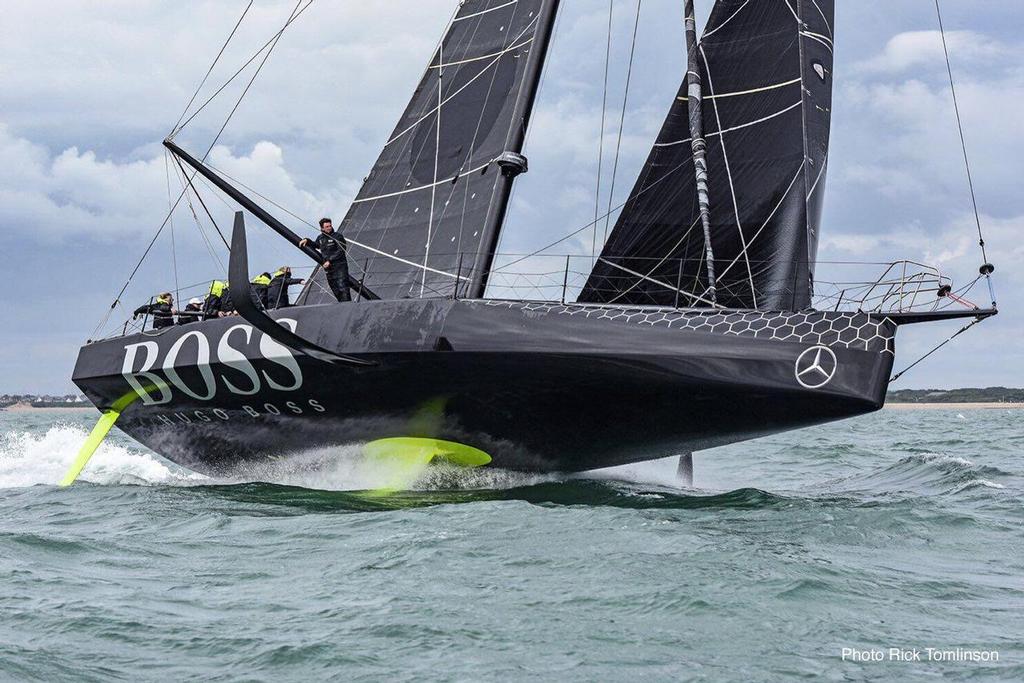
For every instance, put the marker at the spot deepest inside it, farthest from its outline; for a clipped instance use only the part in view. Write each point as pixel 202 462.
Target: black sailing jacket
pixel 277 291
pixel 161 312
pixel 331 247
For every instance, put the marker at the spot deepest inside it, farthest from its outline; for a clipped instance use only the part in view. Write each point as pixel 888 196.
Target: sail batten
pixel 767 68
pixel 434 201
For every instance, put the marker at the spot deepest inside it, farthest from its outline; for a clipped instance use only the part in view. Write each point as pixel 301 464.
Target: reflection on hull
pixel 537 386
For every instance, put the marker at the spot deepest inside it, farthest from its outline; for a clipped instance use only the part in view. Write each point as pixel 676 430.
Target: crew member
pixel 260 284
pixel 218 301
pixel 277 292
pixel 162 311
pixel 192 312
pixel 333 250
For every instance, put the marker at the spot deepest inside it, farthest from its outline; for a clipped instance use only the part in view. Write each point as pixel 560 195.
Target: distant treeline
pixel 43 400
pixel 987 395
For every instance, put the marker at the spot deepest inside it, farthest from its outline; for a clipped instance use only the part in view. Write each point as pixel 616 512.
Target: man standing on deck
pixel 333 249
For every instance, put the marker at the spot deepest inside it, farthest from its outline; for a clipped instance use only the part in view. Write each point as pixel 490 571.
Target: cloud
pixel 923 49
pixel 896 152
pixel 104 199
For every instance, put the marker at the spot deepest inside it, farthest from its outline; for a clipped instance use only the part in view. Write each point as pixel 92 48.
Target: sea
pixel 888 547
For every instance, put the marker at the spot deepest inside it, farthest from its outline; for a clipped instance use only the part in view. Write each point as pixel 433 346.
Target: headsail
pixel 440 186
pixel 767 74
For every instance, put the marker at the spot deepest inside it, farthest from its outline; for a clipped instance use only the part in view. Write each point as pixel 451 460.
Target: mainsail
pixel 767 76
pixel 436 197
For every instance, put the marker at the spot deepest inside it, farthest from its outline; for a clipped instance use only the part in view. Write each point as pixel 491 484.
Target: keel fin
pixel 684 470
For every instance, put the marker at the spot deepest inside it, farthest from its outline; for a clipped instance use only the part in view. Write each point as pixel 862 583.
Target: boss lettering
pixel 240 378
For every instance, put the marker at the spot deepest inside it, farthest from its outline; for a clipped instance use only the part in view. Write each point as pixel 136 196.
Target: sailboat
pixel 695 327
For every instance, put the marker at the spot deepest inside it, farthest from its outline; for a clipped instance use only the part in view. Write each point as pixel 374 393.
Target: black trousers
pixel 337 280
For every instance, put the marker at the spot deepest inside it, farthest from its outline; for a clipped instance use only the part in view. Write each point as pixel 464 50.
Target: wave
pixel 556 493
pixel 337 478
pixel 28 459
pixel 341 478
pixel 925 474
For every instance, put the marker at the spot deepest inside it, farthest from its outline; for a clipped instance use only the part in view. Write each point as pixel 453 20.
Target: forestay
pixel 767 75
pixel 440 186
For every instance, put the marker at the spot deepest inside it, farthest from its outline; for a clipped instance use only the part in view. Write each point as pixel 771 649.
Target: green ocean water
pixel 901 529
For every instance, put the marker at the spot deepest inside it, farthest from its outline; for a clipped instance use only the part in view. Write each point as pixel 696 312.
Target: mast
pixel 697 144
pixel 512 161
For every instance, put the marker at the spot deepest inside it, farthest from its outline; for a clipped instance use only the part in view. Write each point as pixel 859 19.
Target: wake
pixel 41 459
pixel 28 459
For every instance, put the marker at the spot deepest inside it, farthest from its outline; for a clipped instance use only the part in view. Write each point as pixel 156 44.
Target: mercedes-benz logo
pixel 816 367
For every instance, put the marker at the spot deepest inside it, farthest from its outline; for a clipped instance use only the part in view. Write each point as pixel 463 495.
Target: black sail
pixel 767 75
pixel 436 197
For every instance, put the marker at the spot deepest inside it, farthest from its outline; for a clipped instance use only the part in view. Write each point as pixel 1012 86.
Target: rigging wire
pixel 209 215
pixel 960 129
pixel 986 269
pixel 600 146
pixel 272 43
pixel 949 339
pixel 174 249
pixel 252 80
pixel 622 118
pixel 182 178
pixel 216 59
pixel 577 231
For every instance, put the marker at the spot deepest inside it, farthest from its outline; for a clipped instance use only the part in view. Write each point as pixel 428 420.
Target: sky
pixel 88 90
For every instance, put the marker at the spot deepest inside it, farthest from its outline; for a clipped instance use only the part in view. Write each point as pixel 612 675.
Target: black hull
pixel 537 386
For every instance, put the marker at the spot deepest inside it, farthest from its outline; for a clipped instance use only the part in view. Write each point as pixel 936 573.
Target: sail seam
pixel 819 38
pixel 457 92
pixel 730 18
pixel 824 18
pixel 745 92
pixel 728 173
pixel 795 15
pixel 405 261
pixel 483 57
pixel 485 11
pixel 733 128
pixel 821 172
pixel 421 187
pixel 765 224
pixel 658 264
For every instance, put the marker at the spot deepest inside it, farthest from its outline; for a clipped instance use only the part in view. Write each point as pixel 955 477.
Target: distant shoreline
pixel 895 405
pixel 27 407
pixel 993 405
